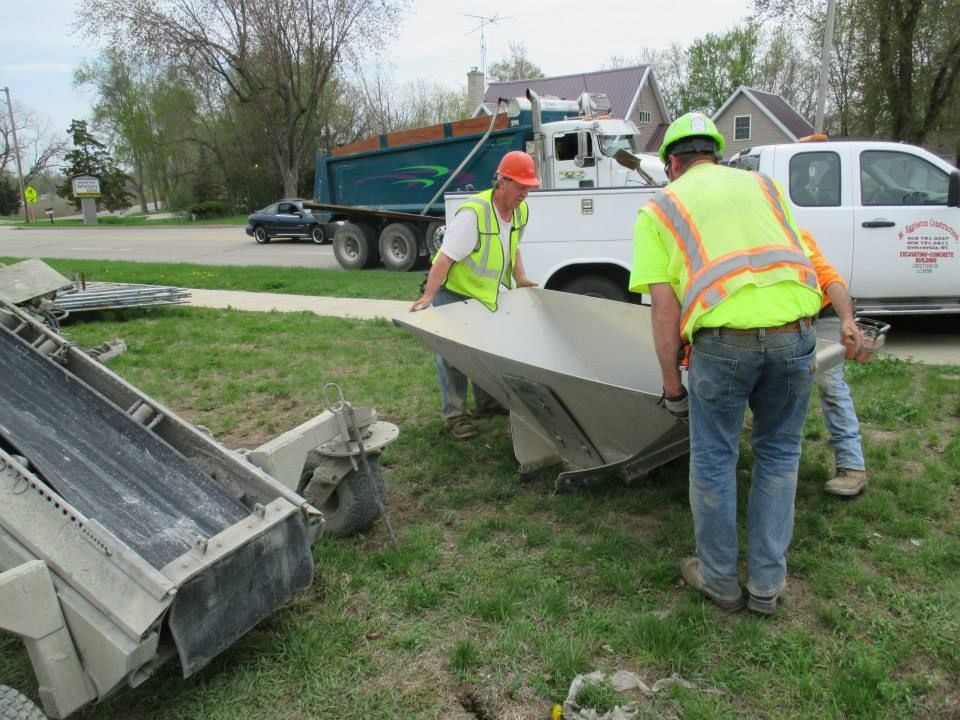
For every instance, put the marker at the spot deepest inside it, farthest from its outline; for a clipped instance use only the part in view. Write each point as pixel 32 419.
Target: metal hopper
pixel 578 374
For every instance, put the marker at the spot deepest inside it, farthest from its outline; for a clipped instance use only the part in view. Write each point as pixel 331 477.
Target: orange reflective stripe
pixel 675 218
pixel 779 211
pixel 704 291
pixel 717 292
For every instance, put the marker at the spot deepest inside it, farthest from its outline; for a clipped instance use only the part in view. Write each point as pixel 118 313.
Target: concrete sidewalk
pixel 359 308
pixel 926 348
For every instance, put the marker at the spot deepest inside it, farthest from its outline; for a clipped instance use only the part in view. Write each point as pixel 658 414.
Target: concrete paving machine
pixel 579 375
pixel 129 536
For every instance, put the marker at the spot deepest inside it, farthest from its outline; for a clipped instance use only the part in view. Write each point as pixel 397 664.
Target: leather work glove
pixel 678 405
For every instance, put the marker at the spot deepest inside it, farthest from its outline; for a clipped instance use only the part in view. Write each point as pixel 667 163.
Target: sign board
pixel 30 193
pixel 85 186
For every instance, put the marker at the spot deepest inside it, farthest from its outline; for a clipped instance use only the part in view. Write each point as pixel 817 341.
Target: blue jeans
pixel 773 374
pixel 453 383
pixel 839 415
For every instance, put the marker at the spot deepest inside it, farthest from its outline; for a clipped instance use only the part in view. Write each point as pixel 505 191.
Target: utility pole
pixel 824 65
pixel 16 152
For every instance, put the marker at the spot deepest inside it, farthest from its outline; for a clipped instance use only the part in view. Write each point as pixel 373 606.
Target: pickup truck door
pixel 905 236
pixel 819 185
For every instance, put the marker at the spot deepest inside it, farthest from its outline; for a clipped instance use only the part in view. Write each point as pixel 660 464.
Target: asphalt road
pixel 934 339
pixel 208 245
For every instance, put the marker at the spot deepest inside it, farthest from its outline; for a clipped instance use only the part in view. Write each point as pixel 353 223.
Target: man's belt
pixel 794 326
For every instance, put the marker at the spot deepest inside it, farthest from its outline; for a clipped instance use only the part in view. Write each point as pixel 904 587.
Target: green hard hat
pixel 692 125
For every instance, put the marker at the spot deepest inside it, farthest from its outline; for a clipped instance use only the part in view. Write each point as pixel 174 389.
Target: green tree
pixel 516 66
pixel 275 55
pixel 90 157
pixel 718 65
pixel 122 108
pixel 9 195
pixel 895 66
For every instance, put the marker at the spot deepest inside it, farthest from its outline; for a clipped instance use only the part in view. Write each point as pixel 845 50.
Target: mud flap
pixel 212 610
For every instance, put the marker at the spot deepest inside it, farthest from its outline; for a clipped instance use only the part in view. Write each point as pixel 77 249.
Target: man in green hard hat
pixel 720 255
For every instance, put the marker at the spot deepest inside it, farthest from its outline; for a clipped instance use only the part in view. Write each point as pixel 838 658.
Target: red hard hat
pixel 518 166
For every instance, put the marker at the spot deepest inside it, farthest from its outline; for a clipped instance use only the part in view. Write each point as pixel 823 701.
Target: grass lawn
pixel 502 592
pixel 374 284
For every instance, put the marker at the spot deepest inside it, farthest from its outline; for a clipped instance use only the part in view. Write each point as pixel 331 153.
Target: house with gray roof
pixel 753 117
pixel 631 91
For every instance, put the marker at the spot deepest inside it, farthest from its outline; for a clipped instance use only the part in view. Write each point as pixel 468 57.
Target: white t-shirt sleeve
pixel 461 236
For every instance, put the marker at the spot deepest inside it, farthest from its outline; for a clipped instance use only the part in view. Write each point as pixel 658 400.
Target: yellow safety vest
pixel 729 247
pixel 480 273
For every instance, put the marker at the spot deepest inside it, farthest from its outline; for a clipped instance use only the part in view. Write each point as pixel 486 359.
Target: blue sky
pixel 437 41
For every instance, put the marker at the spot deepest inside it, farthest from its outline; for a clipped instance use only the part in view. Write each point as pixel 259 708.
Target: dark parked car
pixel 286 218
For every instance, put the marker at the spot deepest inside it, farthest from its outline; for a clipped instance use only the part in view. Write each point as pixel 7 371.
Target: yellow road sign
pixel 30 193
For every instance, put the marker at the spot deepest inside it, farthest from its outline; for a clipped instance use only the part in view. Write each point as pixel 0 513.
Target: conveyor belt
pixel 105 464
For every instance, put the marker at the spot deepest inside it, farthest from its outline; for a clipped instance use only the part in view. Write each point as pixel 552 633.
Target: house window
pixel 741 127
pixel 645 117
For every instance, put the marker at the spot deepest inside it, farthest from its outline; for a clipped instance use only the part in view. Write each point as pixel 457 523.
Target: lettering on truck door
pixel 904 228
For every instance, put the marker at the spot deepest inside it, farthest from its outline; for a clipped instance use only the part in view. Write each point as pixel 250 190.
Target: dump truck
pixel 129 537
pixel 382 198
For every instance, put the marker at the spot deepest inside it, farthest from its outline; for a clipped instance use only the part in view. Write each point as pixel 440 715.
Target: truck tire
pixel 260 235
pixel 398 246
pixel 352 507
pixel 596 286
pixel 16 706
pixel 434 238
pixel 354 246
pixel 318 234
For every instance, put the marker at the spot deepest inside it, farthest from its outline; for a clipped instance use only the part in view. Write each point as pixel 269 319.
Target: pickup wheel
pixel 16 706
pixel 352 507
pixel 260 235
pixel 355 247
pixel 596 286
pixel 318 236
pixel 398 246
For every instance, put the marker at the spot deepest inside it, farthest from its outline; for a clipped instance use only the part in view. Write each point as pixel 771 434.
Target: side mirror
pixel 584 158
pixel 953 189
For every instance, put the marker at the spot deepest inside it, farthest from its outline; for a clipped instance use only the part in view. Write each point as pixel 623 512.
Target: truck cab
pixel 577 145
pixel 885 214
pixel 580 154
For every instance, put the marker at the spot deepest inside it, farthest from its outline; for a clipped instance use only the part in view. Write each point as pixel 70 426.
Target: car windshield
pixel 609 144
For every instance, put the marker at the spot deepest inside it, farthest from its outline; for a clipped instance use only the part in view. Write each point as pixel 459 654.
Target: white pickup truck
pixel 886 215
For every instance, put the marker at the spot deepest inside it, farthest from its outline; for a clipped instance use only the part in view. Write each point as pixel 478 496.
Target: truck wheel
pixel 260 235
pixel 318 235
pixel 352 507
pixel 352 246
pixel 434 236
pixel 398 246
pixel 596 286
pixel 16 706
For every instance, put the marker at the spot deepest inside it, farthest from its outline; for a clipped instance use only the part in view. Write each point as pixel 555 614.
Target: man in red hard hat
pixel 479 257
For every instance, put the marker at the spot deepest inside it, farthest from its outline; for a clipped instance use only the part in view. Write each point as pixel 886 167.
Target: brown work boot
pixel 847 482
pixel 462 428
pixel 690 571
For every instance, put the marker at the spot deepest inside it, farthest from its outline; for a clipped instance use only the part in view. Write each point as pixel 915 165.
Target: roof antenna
pixel 484 21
